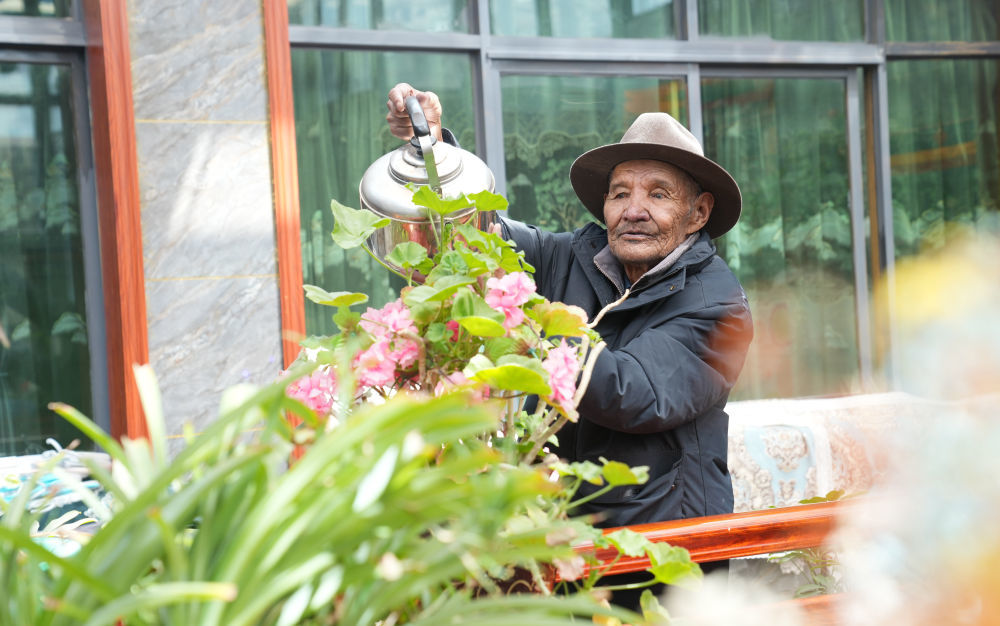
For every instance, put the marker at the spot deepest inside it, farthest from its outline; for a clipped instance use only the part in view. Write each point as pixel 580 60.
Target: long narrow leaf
pixel 156 596
pixel 90 429
pixel 76 570
pixel 152 406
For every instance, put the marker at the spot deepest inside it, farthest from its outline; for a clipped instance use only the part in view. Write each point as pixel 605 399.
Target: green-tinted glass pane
pixel 44 354
pixel 933 20
pixel 785 143
pixel 340 129
pixel 430 16
pixel 639 19
pixel 37 8
pixel 943 142
pixel 789 20
pixel 548 121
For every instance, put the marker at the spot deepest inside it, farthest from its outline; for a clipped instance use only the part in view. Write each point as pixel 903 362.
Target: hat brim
pixel 591 170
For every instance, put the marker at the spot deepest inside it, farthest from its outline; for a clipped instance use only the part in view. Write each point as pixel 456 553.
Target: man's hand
pixel 399 120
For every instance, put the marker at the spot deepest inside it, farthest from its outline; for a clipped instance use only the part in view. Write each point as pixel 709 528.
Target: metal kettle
pixel 449 170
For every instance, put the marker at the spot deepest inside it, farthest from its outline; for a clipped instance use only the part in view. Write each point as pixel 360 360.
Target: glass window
pixel 785 142
pixel 431 16
pixel 638 19
pixel 792 20
pixel 44 355
pixel 943 145
pixel 548 121
pixel 340 130
pixel 933 20
pixel 37 8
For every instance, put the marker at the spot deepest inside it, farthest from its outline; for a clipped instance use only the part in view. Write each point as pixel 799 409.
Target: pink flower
pixel 453 327
pixel 374 367
pixel 507 294
pixel 318 391
pixel 563 367
pixel 378 365
pixel 392 318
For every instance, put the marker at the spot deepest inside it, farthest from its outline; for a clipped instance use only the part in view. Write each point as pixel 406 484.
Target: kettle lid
pixel 384 189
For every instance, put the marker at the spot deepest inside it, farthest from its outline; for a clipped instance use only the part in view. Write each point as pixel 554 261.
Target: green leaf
pixel 476 364
pixel 629 542
pixel 448 285
pixel 560 319
pixel 451 263
pixel 335 298
pixel 346 319
pixel 489 201
pixel 617 474
pixel 672 565
pixel 584 470
pixel 477 317
pixel 468 304
pixel 437 333
pixel 511 261
pixel 482 326
pixel 374 483
pixel 652 611
pixel 352 226
pixel 426 197
pixel 516 373
pixel 499 346
pixel 418 295
pixel 423 313
pixel 407 255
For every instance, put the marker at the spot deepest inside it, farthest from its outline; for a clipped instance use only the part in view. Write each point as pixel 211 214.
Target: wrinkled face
pixel 650 208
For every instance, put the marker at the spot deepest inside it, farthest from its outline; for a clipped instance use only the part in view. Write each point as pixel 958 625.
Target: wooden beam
pixel 119 216
pixel 722 537
pixel 284 167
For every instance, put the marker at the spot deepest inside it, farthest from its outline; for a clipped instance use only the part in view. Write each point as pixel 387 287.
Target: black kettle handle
pixel 417 118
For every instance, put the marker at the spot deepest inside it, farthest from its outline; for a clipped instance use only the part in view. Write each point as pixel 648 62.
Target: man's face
pixel 650 208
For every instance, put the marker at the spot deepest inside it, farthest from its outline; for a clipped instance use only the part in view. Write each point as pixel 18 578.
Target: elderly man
pixel 678 339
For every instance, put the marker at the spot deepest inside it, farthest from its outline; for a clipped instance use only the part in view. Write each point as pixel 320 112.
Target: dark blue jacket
pixel 658 392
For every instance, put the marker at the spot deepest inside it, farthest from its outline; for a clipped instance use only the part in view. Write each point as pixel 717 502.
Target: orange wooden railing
pixel 737 535
pixel 720 537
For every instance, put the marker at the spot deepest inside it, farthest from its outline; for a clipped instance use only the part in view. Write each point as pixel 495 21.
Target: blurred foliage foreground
pixel 388 518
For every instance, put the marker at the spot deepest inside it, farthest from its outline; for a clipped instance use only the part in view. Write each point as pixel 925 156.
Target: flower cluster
pixel 318 390
pixel 394 346
pixel 508 293
pixel 475 325
pixel 563 367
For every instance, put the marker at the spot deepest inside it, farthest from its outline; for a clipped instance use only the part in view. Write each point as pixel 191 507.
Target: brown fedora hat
pixel 659 137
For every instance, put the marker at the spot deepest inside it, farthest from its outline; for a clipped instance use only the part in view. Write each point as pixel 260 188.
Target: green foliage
pixel 373 522
pixel 352 227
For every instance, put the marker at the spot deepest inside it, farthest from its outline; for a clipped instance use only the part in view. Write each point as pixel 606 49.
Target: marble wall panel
pixel 206 199
pixel 207 335
pixel 197 60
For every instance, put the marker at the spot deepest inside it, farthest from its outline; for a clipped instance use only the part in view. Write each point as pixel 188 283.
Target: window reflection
pixel 431 16
pixel 37 8
pixel 649 19
pixel 785 142
pixel 44 353
pixel 792 20
pixel 340 130
pixel 548 121
pixel 933 20
pixel 945 166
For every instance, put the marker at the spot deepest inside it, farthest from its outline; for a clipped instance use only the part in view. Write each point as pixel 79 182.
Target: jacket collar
pixel 606 275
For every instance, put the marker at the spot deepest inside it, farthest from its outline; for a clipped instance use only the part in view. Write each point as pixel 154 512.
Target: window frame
pixel 93 41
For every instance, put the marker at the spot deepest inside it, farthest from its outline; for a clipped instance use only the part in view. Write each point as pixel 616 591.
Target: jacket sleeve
pixel 670 373
pixel 538 246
